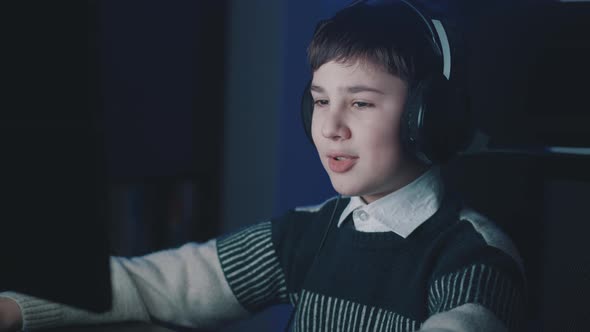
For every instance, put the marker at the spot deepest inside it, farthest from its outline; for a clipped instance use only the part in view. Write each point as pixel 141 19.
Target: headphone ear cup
pixel 411 123
pixel 436 122
pixel 307 110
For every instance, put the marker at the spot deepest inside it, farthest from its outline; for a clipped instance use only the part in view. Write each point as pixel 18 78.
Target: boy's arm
pixel 185 286
pixel 482 297
pixel 466 318
pixel 478 285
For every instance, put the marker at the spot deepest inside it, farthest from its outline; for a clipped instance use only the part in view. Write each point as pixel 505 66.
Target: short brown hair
pixel 391 36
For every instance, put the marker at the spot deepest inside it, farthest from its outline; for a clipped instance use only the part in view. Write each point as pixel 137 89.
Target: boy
pixel 398 253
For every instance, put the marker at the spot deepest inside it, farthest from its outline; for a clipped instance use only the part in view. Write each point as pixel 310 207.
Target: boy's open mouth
pixel 340 163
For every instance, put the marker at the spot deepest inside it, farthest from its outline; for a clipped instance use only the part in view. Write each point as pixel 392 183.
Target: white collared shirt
pixel 401 211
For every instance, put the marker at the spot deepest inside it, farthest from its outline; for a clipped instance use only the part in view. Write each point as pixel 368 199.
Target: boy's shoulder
pixel 490 233
pixel 475 240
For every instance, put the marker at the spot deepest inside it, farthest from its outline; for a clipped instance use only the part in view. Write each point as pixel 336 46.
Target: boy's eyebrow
pixel 350 89
pixel 362 88
pixel 316 88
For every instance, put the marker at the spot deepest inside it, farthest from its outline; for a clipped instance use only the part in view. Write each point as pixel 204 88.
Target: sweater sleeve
pixel 482 268
pixel 185 286
pixel 263 262
pixel 250 264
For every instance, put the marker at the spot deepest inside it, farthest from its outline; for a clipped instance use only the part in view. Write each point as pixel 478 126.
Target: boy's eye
pixel 362 104
pixel 320 102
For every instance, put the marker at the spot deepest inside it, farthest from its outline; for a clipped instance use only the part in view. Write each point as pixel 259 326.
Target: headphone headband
pixel 435 28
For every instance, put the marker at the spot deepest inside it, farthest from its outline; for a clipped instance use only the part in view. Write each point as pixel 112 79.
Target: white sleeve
pixel 185 286
pixel 465 318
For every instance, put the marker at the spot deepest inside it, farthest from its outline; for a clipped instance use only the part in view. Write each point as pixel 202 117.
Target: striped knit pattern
pixel 476 284
pixel 317 312
pixel 37 313
pixel 251 267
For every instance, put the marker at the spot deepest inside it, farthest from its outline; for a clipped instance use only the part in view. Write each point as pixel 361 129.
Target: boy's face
pixel 355 128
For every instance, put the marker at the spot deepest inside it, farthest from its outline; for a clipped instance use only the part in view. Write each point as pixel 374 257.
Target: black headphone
pixel 436 122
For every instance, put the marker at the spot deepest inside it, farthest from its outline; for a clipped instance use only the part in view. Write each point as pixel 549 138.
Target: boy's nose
pixel 334 126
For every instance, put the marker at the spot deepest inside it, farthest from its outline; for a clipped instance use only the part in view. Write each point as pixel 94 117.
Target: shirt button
pixel 362 215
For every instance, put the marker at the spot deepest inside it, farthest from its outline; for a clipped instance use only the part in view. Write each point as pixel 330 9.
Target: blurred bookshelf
pixel 148 216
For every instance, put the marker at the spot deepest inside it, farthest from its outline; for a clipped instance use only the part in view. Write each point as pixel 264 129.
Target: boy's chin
pixel 367 193
pixel 347 190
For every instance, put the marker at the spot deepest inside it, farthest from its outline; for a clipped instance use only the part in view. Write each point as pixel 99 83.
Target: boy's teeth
pixel 340 158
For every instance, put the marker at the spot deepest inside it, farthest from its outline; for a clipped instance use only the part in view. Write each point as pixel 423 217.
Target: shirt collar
pixel 401 211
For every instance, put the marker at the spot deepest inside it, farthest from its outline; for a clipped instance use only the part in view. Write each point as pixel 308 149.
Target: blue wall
pixel 301 177
pixel 268 70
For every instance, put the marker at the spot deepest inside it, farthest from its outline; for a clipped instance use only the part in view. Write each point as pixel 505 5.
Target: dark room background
pixel 197 110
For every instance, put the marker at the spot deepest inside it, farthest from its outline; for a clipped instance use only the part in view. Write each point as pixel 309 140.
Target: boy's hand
pixel 11 319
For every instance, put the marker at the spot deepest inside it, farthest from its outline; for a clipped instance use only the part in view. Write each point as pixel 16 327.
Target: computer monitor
pixel 53 179
pixel 54 234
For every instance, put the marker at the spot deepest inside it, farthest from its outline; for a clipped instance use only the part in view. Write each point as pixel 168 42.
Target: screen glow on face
pixel 355 128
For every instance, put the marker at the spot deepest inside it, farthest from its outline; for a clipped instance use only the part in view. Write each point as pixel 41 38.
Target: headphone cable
pixel 292 315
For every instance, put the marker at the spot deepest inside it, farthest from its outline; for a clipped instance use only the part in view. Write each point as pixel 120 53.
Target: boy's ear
pixel 307 110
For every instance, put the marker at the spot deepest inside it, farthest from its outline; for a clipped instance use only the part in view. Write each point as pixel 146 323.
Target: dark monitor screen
pixel 53 179
pixel 54 230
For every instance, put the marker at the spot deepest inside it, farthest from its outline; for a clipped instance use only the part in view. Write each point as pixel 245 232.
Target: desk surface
pixel 123 327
